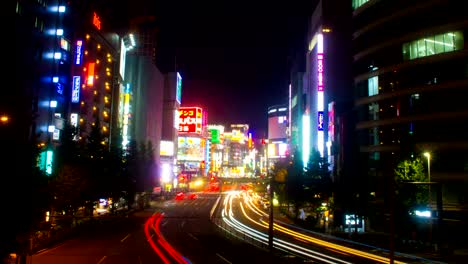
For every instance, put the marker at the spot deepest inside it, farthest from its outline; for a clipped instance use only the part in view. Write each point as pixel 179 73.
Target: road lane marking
pixel 123 239
pixel 221 257
pixel 101 260
pixel 194 237
pixel 47 250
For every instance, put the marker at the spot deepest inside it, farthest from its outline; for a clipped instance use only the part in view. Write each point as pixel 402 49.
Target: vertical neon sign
pixel 75 98
pixel 126 114
pixel 320 95
pixel 79 52
pixel 179 88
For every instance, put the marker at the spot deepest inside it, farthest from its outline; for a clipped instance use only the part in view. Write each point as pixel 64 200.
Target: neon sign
pixel 190 120
pixel 90 81
pixel 179 88
pixel 320 94
pixel 59 88
pixel 96 21
pixel 76 89
pixel 79 52
pixel 320 121
pixel 320 72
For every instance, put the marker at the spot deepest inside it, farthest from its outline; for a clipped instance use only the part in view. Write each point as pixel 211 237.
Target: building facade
pixel 410 93
pixel 278 133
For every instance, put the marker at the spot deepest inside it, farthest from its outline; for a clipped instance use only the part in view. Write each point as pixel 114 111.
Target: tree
pixel 317 180
pixel 408 194
pixel 70 187
pixel 294 181
pixel 407 172
pixel 410 171
pixel 317 167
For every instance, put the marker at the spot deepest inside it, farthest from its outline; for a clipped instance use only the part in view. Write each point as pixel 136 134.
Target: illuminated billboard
pixel 75 98
pixel 166 148
pixel 237 136
pixel 191 149
pixel 278 122
pixel 179 88
pixel 190 120
pixel 215 137
pixel 277 150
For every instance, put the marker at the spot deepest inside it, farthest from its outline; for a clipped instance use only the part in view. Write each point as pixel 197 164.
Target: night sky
pixel 234 56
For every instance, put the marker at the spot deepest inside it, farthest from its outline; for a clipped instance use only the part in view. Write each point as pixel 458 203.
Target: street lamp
pixel 428 156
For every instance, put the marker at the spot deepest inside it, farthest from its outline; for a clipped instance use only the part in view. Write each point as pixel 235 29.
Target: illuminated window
pixel 281 119
pixel 374 111
pixel 64 44
pixel 432 45
pixel 373 85
pixel 358 3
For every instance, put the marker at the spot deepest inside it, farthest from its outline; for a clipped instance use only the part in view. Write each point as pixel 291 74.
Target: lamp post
pixel 428 156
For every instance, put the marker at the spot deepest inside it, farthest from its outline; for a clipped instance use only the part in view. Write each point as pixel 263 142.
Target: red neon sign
pixel 96 21
pixel 190 120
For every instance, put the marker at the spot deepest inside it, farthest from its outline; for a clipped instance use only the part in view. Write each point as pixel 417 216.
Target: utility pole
pixel 270 193
pixel 270 224
pixel 392 220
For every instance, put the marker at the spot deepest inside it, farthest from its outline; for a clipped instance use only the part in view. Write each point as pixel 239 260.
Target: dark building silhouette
pixel 410 86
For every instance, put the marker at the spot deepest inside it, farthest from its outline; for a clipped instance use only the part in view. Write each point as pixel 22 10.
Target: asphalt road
pixel 118 241
pixel 184 224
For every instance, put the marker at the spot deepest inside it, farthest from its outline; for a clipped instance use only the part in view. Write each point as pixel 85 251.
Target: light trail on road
pixel 247 200
pixel 229 219
pixel 164 250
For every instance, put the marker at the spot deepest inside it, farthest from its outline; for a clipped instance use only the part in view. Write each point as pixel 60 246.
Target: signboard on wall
pixel 190 120
pixel 190 149
pixel 215 137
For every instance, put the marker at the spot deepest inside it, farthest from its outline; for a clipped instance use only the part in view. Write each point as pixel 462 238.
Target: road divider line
pixel 101 260
pixel 223 258
pixel 123 239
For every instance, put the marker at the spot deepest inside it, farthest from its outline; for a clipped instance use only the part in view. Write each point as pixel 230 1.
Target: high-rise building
pixel 94 78
pixel 170 126
pixel 326 98
pixel 410 61
pixel 37 105
pixel 145 85
pixel 320 100
pixel 34 104
pixel 64 72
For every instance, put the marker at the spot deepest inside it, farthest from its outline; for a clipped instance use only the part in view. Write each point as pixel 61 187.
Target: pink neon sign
pixel 320 71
